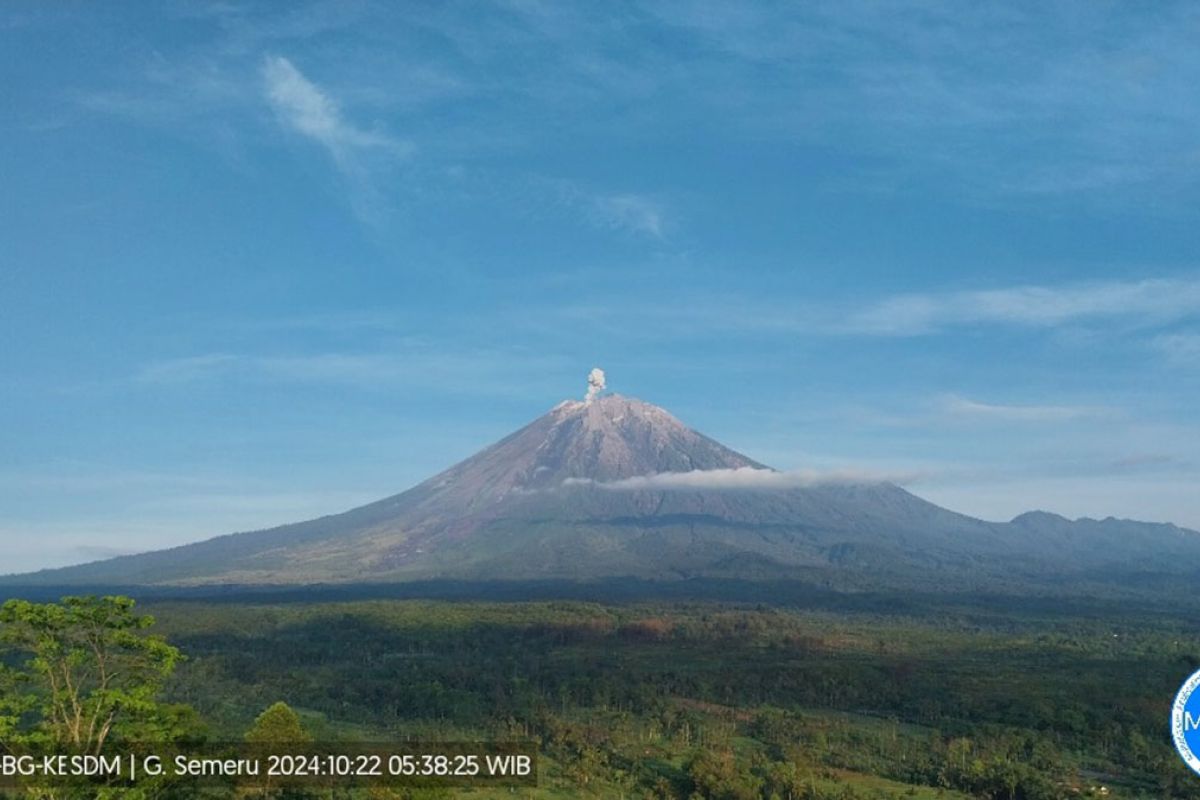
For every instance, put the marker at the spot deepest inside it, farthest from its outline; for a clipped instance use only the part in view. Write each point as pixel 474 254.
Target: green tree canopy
pixel 279 724
pixel 90 673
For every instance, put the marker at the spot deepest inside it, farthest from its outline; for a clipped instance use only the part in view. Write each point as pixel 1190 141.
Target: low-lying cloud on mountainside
pixel 745 478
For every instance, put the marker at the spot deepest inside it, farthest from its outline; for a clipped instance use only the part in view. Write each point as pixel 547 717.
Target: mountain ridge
pixel 604 488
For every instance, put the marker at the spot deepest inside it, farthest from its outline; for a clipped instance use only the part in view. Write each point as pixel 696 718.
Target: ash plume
pixel 595 384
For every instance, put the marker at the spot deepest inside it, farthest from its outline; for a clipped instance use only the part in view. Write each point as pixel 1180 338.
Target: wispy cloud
pixel 359 153
pixel 1149 461
pixel 623 211
pixel 181 370
pixel 925 87
pixel 474 371
pixel 963 407
pixel 1154 300
pixel 746 478
pixel 1179 348
pixel 629 212
pixel 80 477
pixel 311 112
pixel 319 368
pixel 1077 108
pixel 1145 305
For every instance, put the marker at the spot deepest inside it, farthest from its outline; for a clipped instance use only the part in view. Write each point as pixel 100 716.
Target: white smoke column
pixel 595 384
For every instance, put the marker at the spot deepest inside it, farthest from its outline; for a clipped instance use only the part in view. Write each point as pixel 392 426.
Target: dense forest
pixel 711 700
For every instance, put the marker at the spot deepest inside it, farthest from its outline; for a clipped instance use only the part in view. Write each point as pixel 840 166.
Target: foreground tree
pixel 278 729
pixel 92 672
pixel 279 724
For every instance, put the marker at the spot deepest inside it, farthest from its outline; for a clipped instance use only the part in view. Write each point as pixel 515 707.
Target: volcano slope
pixel 617 487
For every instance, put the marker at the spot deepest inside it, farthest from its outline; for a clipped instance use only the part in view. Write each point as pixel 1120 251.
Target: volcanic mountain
pixel 617 487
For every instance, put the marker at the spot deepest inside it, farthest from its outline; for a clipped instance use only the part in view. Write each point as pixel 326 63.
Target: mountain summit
pixel 612 486
pixel 608 438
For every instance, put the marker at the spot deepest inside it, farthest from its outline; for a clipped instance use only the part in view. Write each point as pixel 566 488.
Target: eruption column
pixel 595 384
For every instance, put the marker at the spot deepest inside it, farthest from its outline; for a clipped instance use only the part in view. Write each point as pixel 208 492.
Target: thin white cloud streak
pixel 305 108
pixel 82 478
pixel 253 511
pixel 1179 348
pixel 1154 300
pixel 316 368
pixel 503 373
pixel 1149 461
pixel 964 407
pixel 181 370
pixel 629 212
pixel 745 478
pixel 1147 304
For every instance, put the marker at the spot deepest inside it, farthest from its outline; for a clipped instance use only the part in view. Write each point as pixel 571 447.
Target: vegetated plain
pixel 701 699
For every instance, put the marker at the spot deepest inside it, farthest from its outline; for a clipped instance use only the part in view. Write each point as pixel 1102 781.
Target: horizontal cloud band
pixel 743 478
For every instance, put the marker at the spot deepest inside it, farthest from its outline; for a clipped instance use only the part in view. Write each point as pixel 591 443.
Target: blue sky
pixel 260 262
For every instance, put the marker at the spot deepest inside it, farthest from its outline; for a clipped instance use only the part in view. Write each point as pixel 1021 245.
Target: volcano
pixel 616 487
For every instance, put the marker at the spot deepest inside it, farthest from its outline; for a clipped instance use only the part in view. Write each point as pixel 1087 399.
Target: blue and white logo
pixel 1185 722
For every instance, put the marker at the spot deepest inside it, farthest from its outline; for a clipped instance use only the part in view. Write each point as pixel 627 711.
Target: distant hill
pixel 616 487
